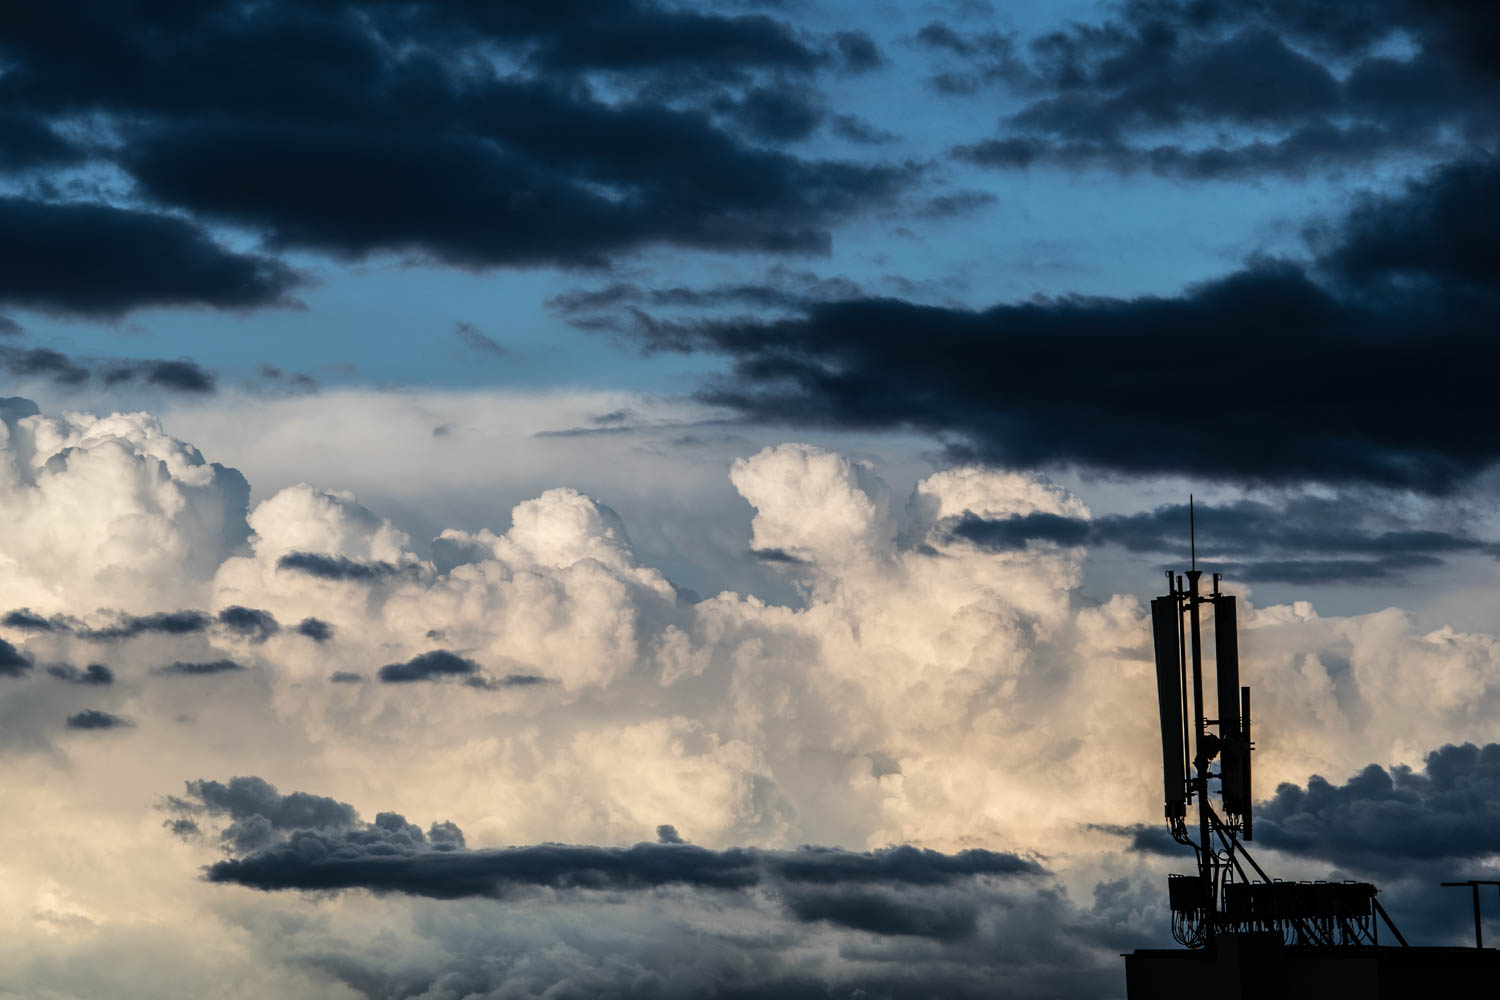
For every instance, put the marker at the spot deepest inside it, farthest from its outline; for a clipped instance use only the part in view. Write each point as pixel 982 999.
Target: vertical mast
pixel 1204 752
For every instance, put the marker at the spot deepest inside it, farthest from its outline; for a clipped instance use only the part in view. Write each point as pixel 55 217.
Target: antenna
pixel 1192 531
pixel 1230 893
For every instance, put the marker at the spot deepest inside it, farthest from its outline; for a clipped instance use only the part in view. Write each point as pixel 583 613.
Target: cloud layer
pixel 539 684
pixel 486 139
pixel 1352 367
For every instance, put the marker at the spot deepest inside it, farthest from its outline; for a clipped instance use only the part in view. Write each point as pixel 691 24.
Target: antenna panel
pixel 1227 666
pixel 1234 764
pixel 1165 625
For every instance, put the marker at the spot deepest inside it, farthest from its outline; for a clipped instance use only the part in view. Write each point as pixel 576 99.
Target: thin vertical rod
pixel 1478 926
pixel 1182 653
pixel 1192 532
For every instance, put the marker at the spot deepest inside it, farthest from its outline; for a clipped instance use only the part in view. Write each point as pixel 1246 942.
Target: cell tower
pixel 1230 892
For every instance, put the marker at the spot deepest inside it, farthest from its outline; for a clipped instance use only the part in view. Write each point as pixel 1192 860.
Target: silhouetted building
pixel 1249 966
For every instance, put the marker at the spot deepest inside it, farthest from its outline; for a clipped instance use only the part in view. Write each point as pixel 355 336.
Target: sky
pixel 641 499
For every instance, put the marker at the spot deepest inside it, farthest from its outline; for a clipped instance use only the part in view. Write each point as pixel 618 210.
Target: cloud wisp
pixel 1304 539
pixel 94 719
pixel 1166 86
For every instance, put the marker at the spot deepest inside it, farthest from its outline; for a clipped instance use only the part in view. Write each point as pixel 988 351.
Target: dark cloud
pixel 857 51
pixel 1381 821
pixel 910 923
pixel 162 623
pixel 249 623
pixel 1316 143
pixel 1354 368
pixel 182 828
pixel 855 129
pixel 946 206
pixel 244 797
pixel 1429 237
pixel 258 812
pixel 91 718
pixel 775 555
pixel 28 142
pixel 9 327
pixel 326 849
pixel 183 668
pixel 445 835
pixel 1323 91
pixel 1249 78
pixel 666 833
pixel 326 567
pixel 13 663
pixel 96 674
pixel 434 665
pixel 1324 571
pixel 315 629
pixel 181 375
pixel 501 204
pixel 617 306
pixel 28 620
pixel 614 126
pixel 43 362
pixel 134 259
pixel 1036 945
pixel 1403 829
pixel 635 36
pixel 474 337
pixel 782 114
pixel 938 35
pixel 1303 539
pixel 346 677
pixel 1011 533
pixel 1406 830
pixel 984 58
pixel 612 417
pixel 13 408
pixel 898 891
pixel 1147 839
pixel 887 913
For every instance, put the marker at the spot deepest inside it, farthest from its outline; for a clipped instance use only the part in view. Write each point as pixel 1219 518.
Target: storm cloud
pixel 337 108
pixel 1381 820
pixel 139 259
pixel 1352 368
pixel 314 843
pixel 1390 824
